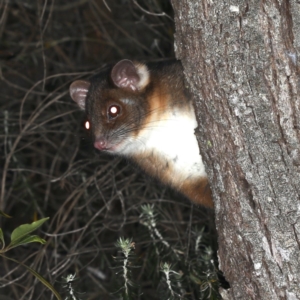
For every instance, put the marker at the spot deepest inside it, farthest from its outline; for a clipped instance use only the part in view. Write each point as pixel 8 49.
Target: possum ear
pixel 128 75
pixel 78 92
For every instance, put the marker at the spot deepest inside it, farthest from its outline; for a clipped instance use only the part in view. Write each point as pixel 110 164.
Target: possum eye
pixel 87 125
pixel 113 111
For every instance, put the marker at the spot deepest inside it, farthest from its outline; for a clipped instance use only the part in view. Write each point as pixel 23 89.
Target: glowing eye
pixel 113 111
pixel 87 125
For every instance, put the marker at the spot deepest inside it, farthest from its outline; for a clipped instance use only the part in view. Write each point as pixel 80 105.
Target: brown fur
pixel 196 189
pixel 145 108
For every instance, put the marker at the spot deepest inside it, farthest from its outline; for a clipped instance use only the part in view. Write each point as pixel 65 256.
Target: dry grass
pixel 49 167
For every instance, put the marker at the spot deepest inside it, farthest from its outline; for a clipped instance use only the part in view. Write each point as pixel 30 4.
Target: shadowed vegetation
pixel 50 169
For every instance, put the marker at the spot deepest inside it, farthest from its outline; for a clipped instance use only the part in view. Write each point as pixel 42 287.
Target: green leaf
pixel 23 231
pixel 2 238
pixel 26 240
pixel 38 276
pixel 4 214
pixel 43 281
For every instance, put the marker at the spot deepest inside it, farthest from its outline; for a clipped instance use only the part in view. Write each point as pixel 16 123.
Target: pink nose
pixel 101 144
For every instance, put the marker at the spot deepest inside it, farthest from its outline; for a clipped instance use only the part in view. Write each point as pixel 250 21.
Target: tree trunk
pixel 240 62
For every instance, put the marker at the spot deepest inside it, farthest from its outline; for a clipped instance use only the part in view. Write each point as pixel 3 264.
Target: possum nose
pixel 101 144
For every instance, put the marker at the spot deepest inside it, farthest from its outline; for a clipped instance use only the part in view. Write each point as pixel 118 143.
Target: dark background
pixel 50 169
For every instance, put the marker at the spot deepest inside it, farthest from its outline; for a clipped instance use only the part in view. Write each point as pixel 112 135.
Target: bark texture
pixel 240 61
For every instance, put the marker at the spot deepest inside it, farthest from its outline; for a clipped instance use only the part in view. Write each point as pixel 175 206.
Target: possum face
pixel 116 105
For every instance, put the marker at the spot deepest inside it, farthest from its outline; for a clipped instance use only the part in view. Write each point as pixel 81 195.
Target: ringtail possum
pixel 143 112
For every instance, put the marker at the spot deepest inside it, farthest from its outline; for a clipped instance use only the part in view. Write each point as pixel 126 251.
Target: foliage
pixel 49 167
pixel 127 287
pixel 21 236
pixel 189 273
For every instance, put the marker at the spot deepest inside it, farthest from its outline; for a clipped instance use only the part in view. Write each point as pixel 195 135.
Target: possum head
pixel 115 101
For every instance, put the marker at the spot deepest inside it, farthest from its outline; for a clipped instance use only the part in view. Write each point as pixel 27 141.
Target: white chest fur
pixel 172 136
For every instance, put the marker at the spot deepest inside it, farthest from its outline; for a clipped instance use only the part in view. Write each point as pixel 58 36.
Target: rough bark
pixel 240 61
